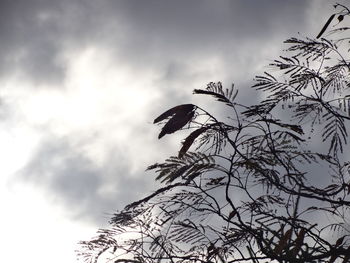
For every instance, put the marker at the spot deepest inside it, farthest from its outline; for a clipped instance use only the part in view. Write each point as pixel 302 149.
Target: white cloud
pixel 35 230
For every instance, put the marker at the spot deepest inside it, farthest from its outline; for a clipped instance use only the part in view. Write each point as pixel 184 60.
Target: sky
pixel 80 84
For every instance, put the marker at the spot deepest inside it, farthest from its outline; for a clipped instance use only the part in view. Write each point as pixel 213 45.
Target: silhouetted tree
pixel 269 183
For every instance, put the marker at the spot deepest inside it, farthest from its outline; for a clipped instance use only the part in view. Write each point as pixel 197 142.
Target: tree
pixel 255 188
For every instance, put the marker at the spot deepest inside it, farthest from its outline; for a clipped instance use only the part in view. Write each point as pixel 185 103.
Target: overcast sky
pixel 80 84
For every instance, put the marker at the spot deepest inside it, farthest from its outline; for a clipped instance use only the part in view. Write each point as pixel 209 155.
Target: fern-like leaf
pixel 186 168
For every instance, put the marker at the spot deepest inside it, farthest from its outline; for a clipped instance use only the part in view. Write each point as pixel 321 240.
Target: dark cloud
pixel 86 189
pixel 28 43
pixel 185 30
pixel 176 38
pixel 35 34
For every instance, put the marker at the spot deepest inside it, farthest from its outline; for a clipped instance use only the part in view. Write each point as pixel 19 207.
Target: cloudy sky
pixel 80 84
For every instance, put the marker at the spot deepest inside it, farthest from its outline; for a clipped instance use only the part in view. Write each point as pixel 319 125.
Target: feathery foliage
pixel 269 184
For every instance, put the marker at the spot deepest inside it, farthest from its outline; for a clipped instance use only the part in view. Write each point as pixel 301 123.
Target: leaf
pixel 340 18
pixel 192 176
pixel 212 250
pixel 220 97
pixel 181 115
pixel 186 232
pixel 176 123
pixel 298 242
pixel 331 187
pixel 216 181
pixel 295 137
pixel 189 140
pixel 325 26
pixel 283 242
pixel 293 127
pixel 187 168
pixel 215 90
pixel 174 110
pixel 339 241
pixel 231 215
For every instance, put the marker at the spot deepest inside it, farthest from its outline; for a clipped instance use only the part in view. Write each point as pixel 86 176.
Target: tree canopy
pixel 267 183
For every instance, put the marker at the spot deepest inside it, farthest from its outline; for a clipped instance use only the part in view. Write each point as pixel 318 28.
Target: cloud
pixel 29 43
pixel 88 190
pixel 167 48
pixel 36 34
